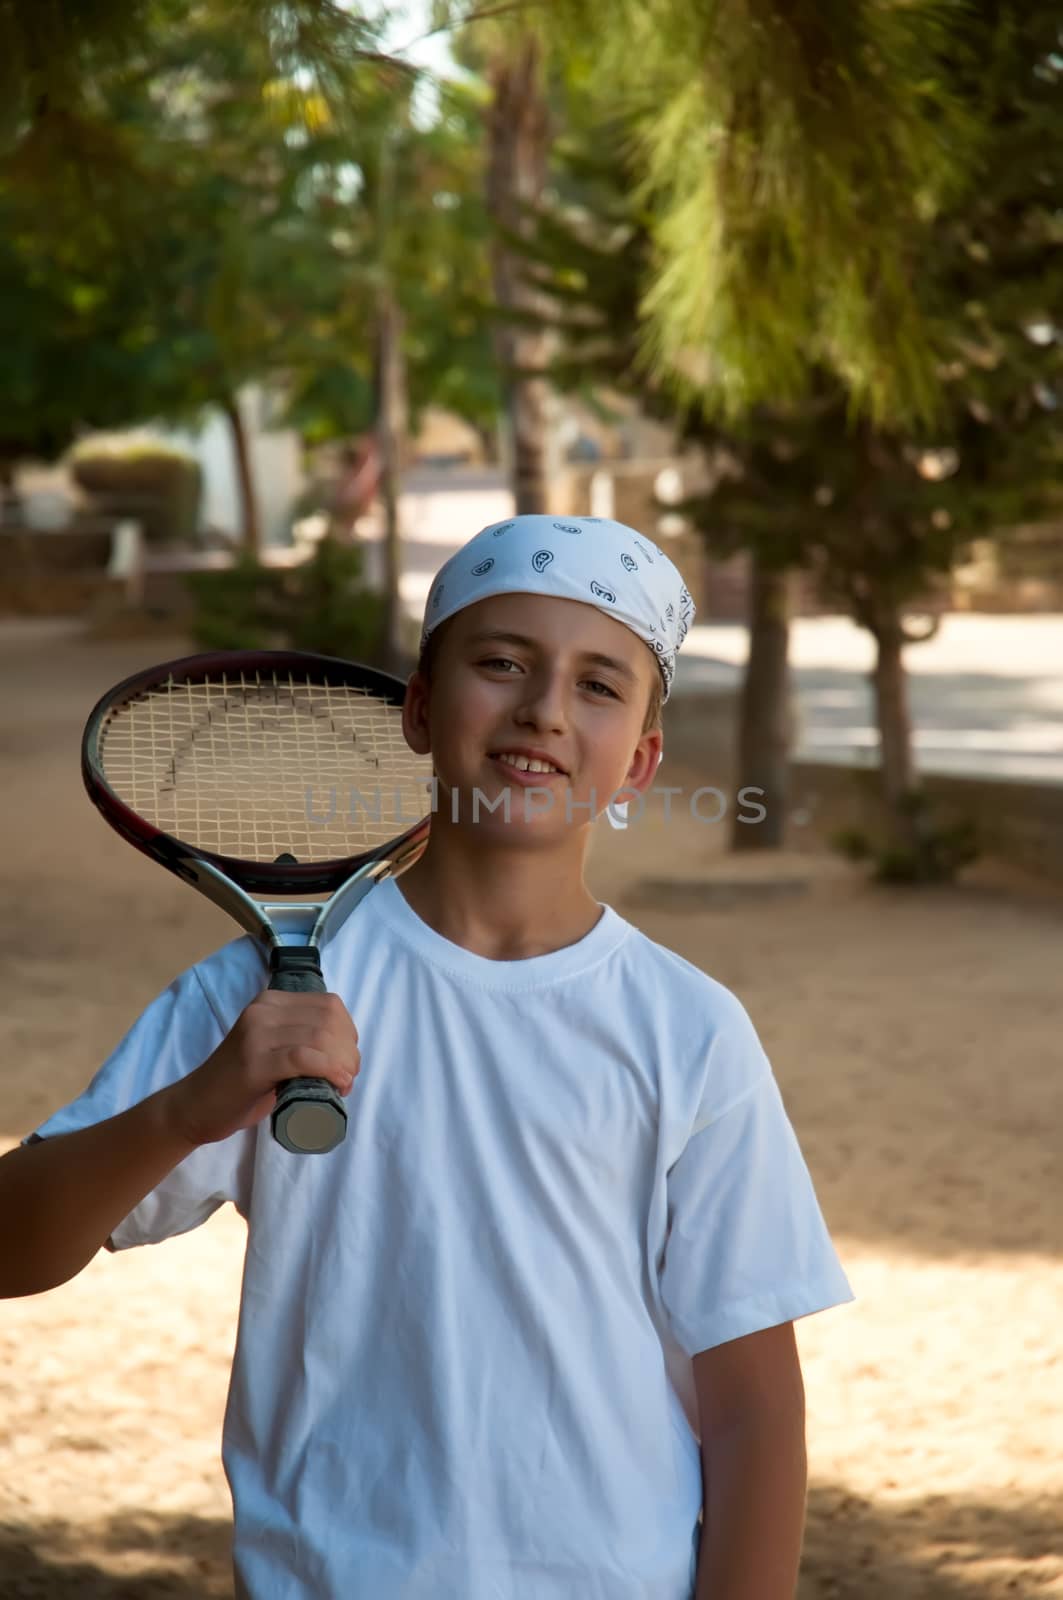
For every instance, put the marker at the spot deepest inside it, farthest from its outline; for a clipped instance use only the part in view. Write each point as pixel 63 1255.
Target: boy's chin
pixel 501 809
pixel 534 825
pixel 529 838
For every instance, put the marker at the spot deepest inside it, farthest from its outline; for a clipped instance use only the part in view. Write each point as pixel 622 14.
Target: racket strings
pixel 260 765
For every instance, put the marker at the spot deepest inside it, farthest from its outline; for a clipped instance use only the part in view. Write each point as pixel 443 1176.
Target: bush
pixel 322 605
pixel 942 847
pixel 852 843
pixel 159 486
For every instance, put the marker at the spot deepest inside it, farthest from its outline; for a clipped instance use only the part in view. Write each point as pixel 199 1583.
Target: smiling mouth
pixel 537 770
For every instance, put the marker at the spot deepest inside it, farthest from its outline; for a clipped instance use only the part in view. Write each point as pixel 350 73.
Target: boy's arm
pixel 62 1197
pixel 751 1407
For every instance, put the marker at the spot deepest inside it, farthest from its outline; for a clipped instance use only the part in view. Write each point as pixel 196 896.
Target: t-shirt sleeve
pixel 747 1246
pixel 171 1038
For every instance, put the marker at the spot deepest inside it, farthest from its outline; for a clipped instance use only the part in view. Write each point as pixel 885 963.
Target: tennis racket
pixel 263 773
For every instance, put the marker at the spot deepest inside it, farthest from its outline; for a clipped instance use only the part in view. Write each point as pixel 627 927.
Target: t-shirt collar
pixel 530 972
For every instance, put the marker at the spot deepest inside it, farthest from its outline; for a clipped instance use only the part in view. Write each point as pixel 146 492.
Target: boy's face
pixel 535 686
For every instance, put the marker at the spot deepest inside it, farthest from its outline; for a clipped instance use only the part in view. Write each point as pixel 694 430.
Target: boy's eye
pixel 595 683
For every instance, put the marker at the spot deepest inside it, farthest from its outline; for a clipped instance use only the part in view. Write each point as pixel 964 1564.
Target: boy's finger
pixel 303 1061
pixel 310 1004
pixel 339 1047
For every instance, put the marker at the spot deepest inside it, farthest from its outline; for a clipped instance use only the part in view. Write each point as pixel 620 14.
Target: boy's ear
pixel 644 762
pixel 415 714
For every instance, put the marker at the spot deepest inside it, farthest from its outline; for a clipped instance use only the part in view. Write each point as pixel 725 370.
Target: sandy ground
pixel 916 1040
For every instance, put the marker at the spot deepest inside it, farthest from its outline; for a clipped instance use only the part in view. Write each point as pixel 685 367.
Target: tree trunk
pixel 10 502
pixel 889 682
pixel 518 131
pixel 764 727
pixel 251 528
pixel 527 430
pixel 487 433
pixel 390 430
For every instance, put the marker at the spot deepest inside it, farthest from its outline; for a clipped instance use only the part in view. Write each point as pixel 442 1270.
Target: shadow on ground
pixel 130 1557
pixel 939 1548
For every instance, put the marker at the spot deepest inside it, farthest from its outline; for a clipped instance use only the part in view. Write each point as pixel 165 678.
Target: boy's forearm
pixel 61 1198
pixel 756 1482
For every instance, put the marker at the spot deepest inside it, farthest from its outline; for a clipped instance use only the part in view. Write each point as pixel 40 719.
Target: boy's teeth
pixel 523 764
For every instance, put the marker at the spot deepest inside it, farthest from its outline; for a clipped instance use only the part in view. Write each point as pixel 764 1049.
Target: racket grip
pixel 309 1117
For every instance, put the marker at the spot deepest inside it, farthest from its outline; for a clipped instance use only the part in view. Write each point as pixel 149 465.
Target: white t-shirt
pixel 462 1368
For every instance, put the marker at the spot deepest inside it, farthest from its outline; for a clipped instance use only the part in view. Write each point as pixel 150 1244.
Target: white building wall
pixel 276 464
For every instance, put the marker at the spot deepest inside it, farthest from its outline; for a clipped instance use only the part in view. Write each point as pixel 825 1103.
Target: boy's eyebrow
pixel 502 636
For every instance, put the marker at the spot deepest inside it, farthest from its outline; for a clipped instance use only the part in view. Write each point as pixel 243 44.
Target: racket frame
pixel 231 883
pixel 305 877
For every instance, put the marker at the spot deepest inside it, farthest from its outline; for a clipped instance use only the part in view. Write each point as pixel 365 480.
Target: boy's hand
pixel 279 1035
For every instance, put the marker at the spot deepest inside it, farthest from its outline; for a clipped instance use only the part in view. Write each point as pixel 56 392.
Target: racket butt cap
pixel 309 1118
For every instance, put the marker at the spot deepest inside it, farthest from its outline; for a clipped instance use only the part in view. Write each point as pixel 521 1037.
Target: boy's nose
pixel 544 706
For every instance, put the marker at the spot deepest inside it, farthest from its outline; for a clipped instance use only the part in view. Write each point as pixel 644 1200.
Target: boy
pixel 570 1226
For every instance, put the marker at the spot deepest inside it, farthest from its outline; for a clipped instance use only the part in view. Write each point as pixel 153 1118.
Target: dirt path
pixel 916 1041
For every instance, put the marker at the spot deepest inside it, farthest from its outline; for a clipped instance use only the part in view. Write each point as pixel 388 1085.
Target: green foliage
pixel 45 48
pixel 878 513
pixel 149 271
pixel 332 398
pixel 803 154
pixel 587 253
pixel 159 486
pixel 218 197
pixel 787 157
pixel 322 605
pixel 68 333
pixel 55 53
pixel 418 225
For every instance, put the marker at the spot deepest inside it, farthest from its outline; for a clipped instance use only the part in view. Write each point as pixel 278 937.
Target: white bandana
pixel 595 560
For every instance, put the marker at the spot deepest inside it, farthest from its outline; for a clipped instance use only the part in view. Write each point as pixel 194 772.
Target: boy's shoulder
pixel 659 972
pixel 698 1023
pixel 229 978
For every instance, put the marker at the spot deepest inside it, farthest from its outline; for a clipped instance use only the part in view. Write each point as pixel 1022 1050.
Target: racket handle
pixel 309 1117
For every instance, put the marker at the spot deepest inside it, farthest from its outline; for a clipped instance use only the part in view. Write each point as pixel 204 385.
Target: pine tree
pixel 881 514
pixel 878 513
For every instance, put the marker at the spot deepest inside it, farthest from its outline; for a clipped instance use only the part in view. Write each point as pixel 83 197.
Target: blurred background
pixel 295 298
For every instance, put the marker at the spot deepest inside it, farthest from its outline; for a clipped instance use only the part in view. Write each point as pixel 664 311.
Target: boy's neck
pixel 505 905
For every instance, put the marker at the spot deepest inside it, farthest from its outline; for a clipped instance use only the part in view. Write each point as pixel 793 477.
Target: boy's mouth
pixel 526 765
